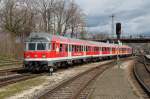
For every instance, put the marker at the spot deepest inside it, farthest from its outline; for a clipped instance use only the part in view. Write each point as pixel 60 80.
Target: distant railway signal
pixel 118 30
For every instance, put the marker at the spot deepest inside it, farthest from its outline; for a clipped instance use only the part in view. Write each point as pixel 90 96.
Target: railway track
pixel 6 72
pixel 16 78
pixel 72 88
pixel 142 74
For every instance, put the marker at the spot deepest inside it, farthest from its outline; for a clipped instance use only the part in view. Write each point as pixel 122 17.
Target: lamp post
pixel 118 59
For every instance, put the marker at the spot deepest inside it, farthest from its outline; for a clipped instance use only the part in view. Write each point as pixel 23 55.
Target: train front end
pixel 37 47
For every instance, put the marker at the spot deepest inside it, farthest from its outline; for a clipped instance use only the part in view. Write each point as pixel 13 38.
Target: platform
pixel 113 84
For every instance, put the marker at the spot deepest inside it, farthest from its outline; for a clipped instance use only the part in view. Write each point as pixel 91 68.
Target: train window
pixel 53 46
pixel 41 46
pixel 89 48
pixel 49 46
pixel 31 46
pixel 82 48
pixel 73 48
pixel 103 49
pixel 113 49
pixel 66 48
pixel 60 49
pixel 78 48
pixel 99 48
pixel 108 49
pixel 70 48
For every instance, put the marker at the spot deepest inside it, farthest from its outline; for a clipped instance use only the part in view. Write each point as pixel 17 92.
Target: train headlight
pixel 43 56
pixel 35 56
pixel 28 56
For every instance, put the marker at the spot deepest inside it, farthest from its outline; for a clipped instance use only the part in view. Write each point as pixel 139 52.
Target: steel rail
pixel 17 78
pixel 94 72
pixel 140 78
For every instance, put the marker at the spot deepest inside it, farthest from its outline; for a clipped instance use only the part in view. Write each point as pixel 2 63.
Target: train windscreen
pixel 41 46
pixel 37 46
pixel 31 46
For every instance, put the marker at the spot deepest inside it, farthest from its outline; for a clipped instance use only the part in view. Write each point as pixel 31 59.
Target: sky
pixel 134 15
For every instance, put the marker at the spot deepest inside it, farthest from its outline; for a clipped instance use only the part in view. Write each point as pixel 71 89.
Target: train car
pixel 44 51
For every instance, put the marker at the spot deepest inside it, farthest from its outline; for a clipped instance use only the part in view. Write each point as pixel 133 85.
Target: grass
pixel 9 67
pixel 13 89
pixel 9 62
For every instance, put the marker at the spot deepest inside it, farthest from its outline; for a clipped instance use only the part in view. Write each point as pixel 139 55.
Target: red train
pixel 43 51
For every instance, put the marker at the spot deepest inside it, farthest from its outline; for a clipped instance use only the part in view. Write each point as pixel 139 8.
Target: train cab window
pixel 41 46
pixel 31 46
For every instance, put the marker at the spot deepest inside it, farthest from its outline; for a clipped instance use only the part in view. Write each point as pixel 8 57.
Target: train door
pixel 84 50
pixel 100 50
pixel 63 50
pixel 69 51
pixel 111 52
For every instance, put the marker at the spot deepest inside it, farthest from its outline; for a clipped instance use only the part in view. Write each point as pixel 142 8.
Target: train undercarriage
pixel 34 66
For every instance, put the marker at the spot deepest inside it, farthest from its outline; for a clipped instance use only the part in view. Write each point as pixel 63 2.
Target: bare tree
pixel 24 16
pixel 69 14
pixel 16 17
pixel 69 17
pixel 46 10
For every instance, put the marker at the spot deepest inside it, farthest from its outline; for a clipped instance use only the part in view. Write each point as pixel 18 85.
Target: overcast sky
pixel 133 14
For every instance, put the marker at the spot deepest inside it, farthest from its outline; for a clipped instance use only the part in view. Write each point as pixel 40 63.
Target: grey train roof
pixel 46 37
pixel 40 35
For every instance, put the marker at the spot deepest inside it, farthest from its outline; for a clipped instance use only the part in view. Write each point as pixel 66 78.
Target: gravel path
pixel 113 84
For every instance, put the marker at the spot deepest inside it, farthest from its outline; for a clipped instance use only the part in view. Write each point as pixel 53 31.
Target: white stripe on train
pixel 68 58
